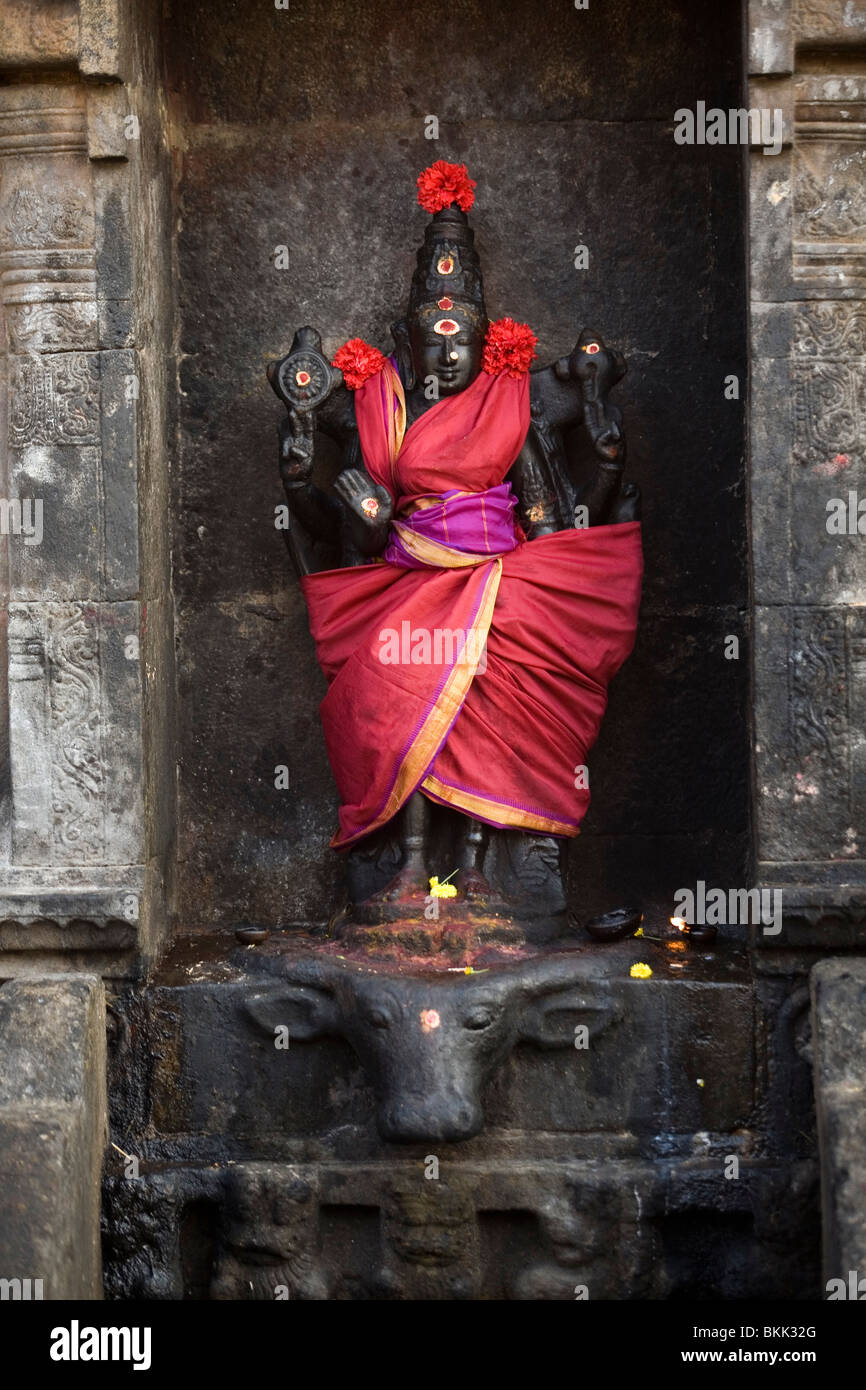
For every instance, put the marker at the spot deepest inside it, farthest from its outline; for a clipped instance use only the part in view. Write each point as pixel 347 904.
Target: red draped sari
pixel 468 663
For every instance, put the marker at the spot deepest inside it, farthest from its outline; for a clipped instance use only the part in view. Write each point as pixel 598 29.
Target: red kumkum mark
pixel 447 327
pixel 832 466
pixel 302 378
pixel 429 1020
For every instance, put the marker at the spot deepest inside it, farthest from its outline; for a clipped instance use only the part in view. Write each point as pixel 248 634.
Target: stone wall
pixel 808 425
pixel 87 616
pixel 304 128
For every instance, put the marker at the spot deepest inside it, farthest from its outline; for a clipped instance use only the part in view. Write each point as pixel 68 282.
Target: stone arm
pixel 545 502
pixel 366 509
pixel 358 513
pixel 557 393
pixel 317 512
pixel 539 509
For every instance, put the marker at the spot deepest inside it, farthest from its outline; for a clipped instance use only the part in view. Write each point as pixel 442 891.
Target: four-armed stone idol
pixel 469 598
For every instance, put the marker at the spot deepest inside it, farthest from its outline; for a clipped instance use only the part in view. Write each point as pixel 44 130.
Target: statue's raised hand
pixel 368 510
pixel 297 447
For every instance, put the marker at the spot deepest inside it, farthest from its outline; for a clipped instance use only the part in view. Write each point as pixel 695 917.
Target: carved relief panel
pixel 809 287
pixel 69 510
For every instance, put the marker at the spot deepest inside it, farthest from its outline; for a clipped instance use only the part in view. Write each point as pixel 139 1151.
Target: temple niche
pixel 303 964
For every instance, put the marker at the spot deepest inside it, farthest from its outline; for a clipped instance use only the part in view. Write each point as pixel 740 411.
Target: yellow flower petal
pixel 639 971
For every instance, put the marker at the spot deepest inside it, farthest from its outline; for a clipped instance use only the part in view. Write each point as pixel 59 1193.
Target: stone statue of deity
pixel 469 599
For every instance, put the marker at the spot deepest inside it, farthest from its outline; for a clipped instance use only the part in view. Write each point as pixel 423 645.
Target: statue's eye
pixel 480 1018
pixel 378 1019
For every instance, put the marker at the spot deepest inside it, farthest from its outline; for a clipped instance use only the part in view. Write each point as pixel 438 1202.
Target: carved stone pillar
pixel 808 430
pixel 88 796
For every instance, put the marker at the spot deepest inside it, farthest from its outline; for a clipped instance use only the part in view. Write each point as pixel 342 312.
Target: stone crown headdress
pixel 448 266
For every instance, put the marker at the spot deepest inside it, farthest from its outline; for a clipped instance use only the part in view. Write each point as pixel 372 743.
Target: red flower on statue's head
pixel 509 347
pixel 443 184
pixel 358 361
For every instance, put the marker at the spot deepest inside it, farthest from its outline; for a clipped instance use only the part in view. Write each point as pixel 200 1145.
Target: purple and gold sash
pixel 455 531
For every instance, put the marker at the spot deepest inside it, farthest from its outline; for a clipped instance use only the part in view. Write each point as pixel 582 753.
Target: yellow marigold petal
pixel 639 971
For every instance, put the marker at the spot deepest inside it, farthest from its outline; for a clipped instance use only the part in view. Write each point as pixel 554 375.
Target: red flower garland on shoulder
pixel 443 184
pixel 509 347
pixel 358 361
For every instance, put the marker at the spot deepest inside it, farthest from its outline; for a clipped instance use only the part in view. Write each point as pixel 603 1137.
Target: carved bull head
pixel 428 1042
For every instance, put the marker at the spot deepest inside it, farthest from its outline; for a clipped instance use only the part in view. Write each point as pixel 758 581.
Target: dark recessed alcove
pixel 304 128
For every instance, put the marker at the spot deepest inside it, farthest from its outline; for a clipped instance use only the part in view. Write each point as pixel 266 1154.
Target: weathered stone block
pixel 38 35
pixel 52 1133
pixel 107 131
pixel 771 223
pixel 771 480
pixel 651 1064
pixel 802 750
pixel 120 387
pixel 839 1024
pixel 75 741
pixel 771 39
pixel 835 20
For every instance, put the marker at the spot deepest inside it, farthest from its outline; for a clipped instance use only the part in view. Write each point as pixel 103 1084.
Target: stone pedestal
pixel 634 1142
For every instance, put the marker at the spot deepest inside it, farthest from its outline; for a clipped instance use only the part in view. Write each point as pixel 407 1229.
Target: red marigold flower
pixel 509 347
pixel 443 184
pixel 358 361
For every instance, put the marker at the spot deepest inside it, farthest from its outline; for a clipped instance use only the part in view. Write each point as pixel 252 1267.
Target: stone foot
pixel 405 894
pixel 472 887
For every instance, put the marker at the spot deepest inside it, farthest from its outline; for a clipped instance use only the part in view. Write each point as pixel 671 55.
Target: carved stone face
pixel 447 339
pixel 429 1043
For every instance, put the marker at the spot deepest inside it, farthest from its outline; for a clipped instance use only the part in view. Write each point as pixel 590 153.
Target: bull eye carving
pixel 378 1019
pixel 481 1018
